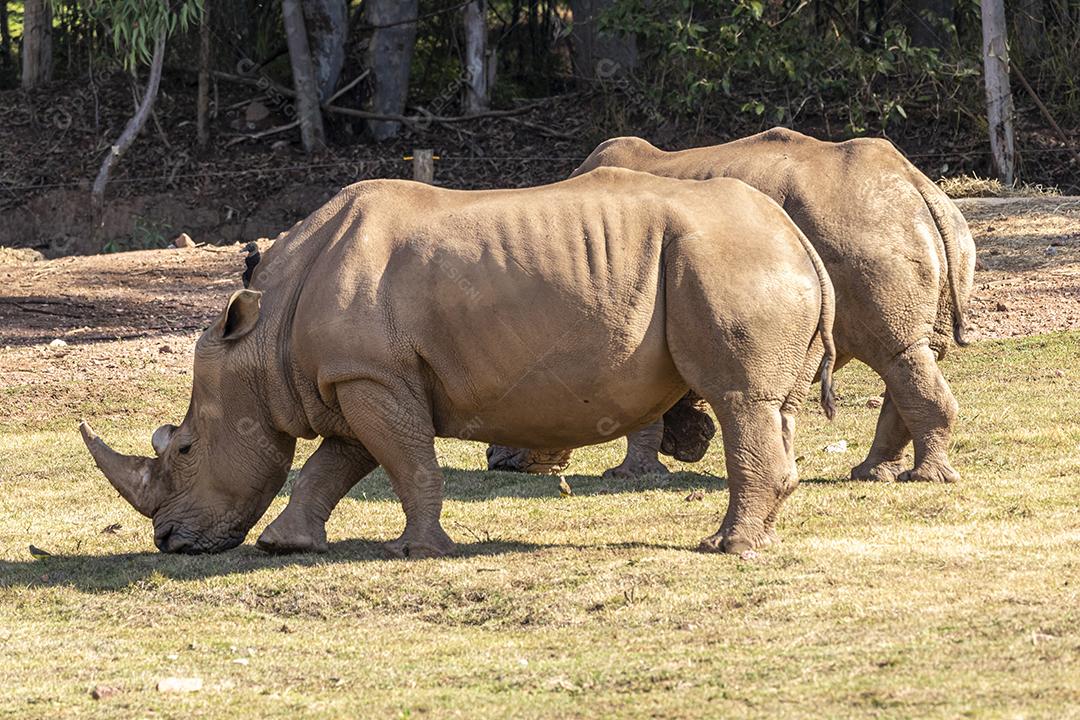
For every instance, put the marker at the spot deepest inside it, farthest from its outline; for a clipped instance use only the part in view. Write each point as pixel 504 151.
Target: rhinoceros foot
pixel 940 472
pixel 286 535
pixel 415 545
pixel 877 471
pixel 736 543
pixel 688 429
pixel 636 467
pixel 535 462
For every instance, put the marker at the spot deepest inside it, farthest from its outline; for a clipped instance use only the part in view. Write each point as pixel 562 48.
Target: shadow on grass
pixel 125 571
pixel 486 485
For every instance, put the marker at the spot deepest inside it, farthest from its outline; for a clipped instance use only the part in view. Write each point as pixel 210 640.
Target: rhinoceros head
pixel 215 474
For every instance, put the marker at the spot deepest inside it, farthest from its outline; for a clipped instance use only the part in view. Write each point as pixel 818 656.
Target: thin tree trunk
pixel 203 106
pixel 389 57
pixel 925 22
pixel 599 54
pixel 1030 28
pixel 37 43
pixel 327 23
pixel 131 131
pixel 477 97
pixel 308 112
pixel 999 102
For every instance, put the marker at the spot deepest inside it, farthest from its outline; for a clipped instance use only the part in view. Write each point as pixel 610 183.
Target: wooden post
pixel 476 72
pixel 423 166
pixel 999 102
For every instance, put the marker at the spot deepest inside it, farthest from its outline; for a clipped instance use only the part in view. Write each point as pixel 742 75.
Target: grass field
pixel 882 600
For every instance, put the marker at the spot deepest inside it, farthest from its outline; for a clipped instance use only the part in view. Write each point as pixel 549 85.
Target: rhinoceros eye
pixel 185 449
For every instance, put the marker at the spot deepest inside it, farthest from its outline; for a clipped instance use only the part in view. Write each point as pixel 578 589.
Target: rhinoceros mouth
pixel 178 541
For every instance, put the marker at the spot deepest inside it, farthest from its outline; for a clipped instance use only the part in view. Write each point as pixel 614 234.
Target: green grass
pixel 883 600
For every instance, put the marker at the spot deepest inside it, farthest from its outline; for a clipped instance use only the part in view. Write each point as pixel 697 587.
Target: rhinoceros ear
pixel 241 314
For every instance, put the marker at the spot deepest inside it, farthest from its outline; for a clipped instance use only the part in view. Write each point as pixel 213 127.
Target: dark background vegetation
pixel 677 72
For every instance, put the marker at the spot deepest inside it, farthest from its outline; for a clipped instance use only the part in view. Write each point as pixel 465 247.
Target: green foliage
pixel 133 24
pixel 774 60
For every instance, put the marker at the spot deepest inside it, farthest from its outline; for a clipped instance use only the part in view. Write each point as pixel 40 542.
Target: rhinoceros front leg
pixel 328 475
pixel 399 434
pixel 885 461
pixel 928 409
pixel 641 458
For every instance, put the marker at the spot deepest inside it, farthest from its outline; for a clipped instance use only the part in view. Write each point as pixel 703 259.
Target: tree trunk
pixel 1029 27
pixel 925 20
pixel 999 102
pixel 131 131
pixel 477 92
pixel 327 23
pixel 203 103
pixel 308 112
pixel 596 53
pixel 37 43
pixel 389 57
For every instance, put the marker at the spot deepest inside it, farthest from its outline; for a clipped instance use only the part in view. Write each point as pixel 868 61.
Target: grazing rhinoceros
pixel 399 312
pixel 900 257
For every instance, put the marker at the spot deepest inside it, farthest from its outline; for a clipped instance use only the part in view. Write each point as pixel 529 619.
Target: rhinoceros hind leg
pixel 399 434
pixel 761 474
pixel 928 408
pixel 331 471
pixel 641 454
pixel 884 462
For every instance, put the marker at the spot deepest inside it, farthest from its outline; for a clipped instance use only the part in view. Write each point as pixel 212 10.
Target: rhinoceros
pixel 399 312
pixel 901 258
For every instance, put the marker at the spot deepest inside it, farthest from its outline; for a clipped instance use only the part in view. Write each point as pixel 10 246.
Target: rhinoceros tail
pixel 935 199
pixel 825 327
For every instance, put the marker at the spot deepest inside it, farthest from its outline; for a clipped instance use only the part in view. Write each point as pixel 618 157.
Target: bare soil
pixel 119 314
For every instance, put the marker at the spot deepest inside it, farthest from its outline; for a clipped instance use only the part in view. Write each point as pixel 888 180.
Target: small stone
pixel 1059 373
pixel 183 240
pixel 103 692
pixel 179 685
pixel 58 343
pixel 256 112
pixel 840 446
pixel 1001 307
pixel 874 402
pixel 241 661
pixel 281 146
pixel 166 350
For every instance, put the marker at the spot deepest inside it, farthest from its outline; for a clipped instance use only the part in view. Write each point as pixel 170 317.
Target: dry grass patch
pixel 887 600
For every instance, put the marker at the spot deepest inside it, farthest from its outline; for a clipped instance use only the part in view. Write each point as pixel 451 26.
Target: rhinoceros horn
pixel 129 474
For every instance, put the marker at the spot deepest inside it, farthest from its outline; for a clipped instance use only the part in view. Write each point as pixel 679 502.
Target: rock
pixel 183 240
pixel 179 685
pixel 241 661
pixel 1001 307
pixel 256 112
pixel 840 446
pixel 281 146
pixel 58 343
pixel 103 692
pixel 874 402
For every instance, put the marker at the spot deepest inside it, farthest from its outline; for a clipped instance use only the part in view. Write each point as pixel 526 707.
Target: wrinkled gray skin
pixel 900 256
pixel 401 312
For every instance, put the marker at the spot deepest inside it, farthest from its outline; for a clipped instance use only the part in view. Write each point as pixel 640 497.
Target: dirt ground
pixel 116 315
